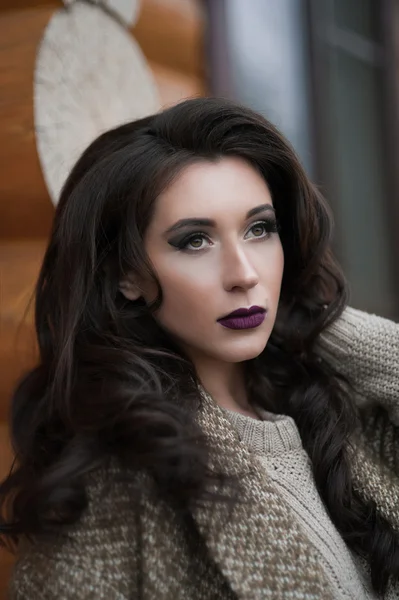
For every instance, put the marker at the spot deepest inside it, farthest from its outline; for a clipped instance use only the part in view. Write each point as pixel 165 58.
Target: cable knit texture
pixel 365 348
pixel 130 544
pixel 276 443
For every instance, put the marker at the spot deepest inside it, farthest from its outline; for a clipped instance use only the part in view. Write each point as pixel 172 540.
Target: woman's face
pixel 214 247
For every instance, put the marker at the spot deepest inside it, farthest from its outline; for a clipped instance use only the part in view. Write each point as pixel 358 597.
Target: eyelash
pixel 270 226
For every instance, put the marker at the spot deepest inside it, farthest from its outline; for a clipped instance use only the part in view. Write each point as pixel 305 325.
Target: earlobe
pixel 130 289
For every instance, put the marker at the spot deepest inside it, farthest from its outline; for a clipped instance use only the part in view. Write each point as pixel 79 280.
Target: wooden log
pixel 171 33
pixel 25 207
pixel 174 86
pixel 19 267
pixel 17 5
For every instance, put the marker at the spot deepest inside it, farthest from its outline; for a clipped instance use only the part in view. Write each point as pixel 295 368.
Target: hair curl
pixel 109 381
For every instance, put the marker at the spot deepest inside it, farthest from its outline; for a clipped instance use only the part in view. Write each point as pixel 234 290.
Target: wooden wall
pixel 171 36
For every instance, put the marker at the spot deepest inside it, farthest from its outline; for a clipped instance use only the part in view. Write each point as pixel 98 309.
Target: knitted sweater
pixel 277 444
pixel 130 543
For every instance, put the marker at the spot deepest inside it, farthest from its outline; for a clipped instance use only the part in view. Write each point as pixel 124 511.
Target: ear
pixel 129 288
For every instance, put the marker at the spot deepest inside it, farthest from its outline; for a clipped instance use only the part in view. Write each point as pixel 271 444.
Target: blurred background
pixel 326 72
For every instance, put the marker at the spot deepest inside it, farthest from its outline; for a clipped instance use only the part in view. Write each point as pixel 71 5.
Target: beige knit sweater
pixel 277 444
pixel 277 544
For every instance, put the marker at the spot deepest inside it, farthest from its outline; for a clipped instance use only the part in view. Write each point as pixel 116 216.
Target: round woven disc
pixel 90 76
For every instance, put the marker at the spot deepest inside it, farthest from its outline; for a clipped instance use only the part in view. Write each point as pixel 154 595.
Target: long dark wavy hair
pixel 111 383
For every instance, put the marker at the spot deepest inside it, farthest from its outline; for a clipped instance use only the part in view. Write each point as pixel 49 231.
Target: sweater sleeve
pixel 365 348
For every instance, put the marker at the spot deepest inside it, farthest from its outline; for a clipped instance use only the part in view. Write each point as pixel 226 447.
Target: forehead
pixel 230 186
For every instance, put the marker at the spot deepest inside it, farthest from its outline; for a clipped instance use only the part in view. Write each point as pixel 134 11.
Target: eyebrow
pixel 203 222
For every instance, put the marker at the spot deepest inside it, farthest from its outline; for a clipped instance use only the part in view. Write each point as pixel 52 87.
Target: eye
pixel 196 242
pixel 258 230
pixel 262 229
pixel 191 243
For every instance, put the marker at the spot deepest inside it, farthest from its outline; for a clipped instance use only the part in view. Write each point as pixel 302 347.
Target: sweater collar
pixel 259 539
pixel 274 435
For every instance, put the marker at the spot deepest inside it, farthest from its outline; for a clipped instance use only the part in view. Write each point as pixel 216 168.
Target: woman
pixel 207 418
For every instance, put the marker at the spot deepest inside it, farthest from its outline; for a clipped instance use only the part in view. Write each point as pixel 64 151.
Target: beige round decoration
pixel 126 10
pixel 90 76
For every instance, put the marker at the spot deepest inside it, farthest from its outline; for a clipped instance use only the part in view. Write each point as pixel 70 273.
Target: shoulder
pixel 93 558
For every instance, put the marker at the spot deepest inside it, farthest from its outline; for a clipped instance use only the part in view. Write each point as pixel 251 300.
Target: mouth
pixel 244 318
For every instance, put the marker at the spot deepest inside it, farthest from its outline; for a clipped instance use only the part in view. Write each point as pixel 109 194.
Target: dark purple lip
pixel 243 312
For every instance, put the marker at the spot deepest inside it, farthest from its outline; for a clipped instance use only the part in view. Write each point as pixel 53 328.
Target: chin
pixel 240 352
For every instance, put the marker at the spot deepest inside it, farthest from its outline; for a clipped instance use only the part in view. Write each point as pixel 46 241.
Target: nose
pixel 238 272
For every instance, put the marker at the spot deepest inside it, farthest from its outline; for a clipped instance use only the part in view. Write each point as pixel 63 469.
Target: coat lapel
pixel 257 545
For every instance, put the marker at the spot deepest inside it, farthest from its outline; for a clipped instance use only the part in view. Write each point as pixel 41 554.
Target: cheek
pixel 275 286
pixel 270 268
pixel 278 267
pixel 187 292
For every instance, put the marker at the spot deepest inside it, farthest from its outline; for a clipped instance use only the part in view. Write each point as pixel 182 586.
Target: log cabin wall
pixel 171 36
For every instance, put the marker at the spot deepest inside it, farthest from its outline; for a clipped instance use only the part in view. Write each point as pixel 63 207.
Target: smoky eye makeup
pixel 181 241
pixel 269 223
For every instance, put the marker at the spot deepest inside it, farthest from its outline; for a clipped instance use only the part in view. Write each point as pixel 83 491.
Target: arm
pixel 365 348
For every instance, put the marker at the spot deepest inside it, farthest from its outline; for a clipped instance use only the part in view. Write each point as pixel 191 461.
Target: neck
pixel 225 382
